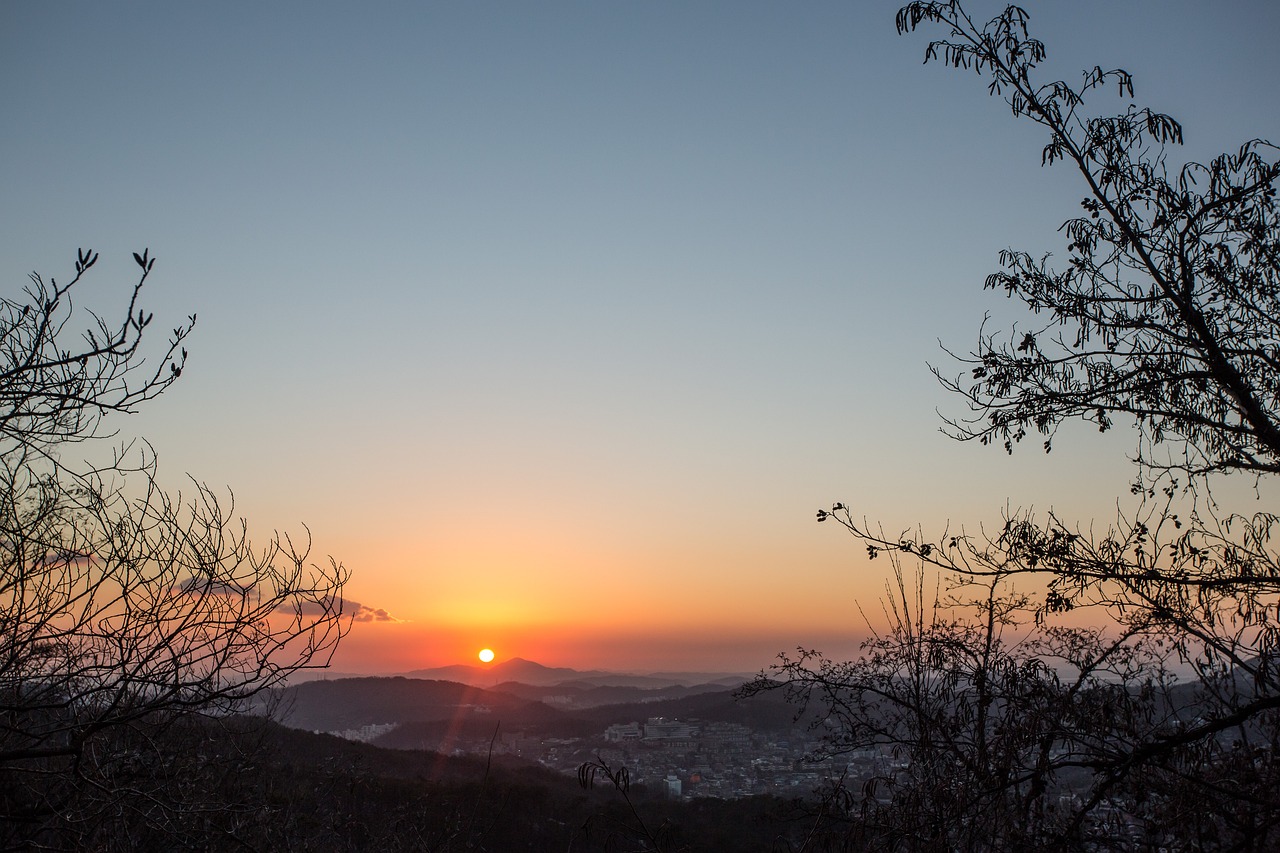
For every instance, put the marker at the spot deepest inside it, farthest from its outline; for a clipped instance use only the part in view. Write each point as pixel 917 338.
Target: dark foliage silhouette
pixel 632 828
pixel 125 610
pixel 1000 726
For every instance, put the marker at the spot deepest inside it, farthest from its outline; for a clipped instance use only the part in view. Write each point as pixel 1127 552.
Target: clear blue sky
pixel 556 322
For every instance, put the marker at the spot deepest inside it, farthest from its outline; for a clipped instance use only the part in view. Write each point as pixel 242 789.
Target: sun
pixel 486 655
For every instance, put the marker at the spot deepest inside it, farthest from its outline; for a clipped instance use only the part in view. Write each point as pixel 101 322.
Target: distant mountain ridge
pixel 513 669
pixel 432 714
pixel 348 703
pixel 470 700
pixel 535 674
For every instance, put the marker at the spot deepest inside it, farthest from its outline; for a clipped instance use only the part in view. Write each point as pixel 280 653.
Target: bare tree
pixel 124 609
pixel 1167 311
pixel 974 723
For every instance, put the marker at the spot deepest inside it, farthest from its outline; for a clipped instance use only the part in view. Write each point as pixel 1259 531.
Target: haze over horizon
pixel 522 669
pixel 557 323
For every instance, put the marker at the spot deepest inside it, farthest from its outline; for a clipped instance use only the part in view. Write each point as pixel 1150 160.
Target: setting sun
pixel 486 655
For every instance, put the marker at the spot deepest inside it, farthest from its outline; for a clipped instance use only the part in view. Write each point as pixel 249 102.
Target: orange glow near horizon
pixel 562 593
pixel 637 631
pixel 407 647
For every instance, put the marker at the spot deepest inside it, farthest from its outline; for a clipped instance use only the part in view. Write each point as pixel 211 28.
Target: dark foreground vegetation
pixel 247 784
pixel 1051 684
pixel 137 624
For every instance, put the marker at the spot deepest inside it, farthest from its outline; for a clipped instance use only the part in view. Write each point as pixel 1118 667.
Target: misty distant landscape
pixel 702 734
pixel 533 674
pixel 702 761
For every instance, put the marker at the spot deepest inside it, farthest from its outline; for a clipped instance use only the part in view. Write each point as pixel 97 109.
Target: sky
pixel 556 323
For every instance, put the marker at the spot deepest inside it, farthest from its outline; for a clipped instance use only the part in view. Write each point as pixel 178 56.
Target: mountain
pixel 515 669
pixel 435 712
pixel 349 703
pixel 577 695
pixel 438 708
pixel 689 679
pixel 764 712
pixel 536 675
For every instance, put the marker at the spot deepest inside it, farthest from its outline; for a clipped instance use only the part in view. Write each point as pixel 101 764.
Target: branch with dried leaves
pixel 1008 723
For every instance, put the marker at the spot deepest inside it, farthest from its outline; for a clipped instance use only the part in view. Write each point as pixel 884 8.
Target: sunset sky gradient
pixel 557 322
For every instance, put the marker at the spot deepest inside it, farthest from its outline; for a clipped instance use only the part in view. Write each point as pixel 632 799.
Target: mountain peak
pixel 519 662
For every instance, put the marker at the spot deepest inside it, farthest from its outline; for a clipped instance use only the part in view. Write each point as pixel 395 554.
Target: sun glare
pixel 486 655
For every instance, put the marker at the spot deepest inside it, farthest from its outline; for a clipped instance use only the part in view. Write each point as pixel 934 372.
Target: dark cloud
pixel 371 614
pixel 357 611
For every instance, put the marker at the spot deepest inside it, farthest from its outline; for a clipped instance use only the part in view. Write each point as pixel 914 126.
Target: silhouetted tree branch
pixel 1169 306
pixel 123 608
pixel 1012 730
pixel 620 779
